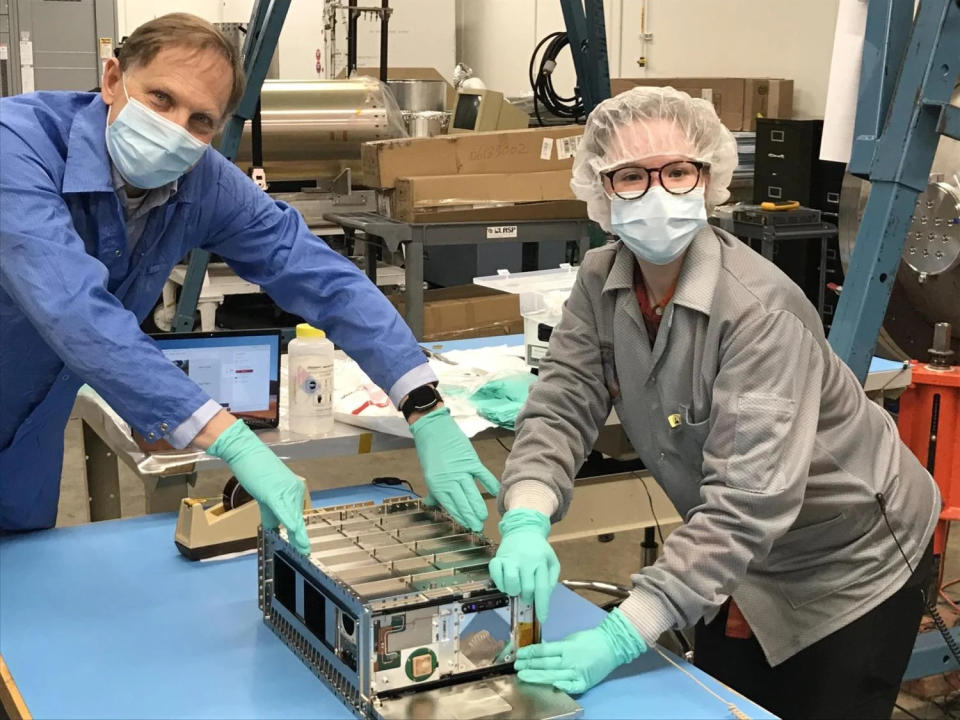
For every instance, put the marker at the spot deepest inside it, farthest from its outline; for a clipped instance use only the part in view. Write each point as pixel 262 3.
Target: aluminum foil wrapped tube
pixel 312 127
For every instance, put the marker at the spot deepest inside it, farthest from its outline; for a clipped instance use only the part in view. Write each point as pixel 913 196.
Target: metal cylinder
pixel 918 301
pixel 419 95
pixel 649 548
pixel 941 337
pixel 427 123
pixel 941 351
pixel 311 126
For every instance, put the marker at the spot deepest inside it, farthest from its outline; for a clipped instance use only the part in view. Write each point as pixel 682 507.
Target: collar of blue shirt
pixel 88 164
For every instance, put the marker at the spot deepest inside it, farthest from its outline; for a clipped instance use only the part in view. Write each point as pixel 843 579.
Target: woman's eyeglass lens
pixel 632 183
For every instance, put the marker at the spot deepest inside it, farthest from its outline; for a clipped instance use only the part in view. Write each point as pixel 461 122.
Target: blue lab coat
pixel 72 295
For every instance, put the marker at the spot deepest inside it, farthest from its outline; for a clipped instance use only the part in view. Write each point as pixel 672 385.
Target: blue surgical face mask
pixel 149 150
pixel 659 226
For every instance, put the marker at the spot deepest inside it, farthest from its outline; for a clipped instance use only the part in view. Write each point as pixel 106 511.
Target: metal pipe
pixel 352 16
pixel 256 129
pixel 384 38
pixel 606 588
pixel 649 547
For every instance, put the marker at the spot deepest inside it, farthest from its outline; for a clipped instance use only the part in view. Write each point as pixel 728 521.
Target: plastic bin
pixel 542 295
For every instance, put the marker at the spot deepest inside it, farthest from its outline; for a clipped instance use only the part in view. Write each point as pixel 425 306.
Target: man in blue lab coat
pixel 100 195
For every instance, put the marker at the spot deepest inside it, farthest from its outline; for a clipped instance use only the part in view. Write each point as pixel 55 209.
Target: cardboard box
pixel 737 101
pixel 767 98
pixel 508 151
pixel 466 191
pixel 466 311
pixel 550 210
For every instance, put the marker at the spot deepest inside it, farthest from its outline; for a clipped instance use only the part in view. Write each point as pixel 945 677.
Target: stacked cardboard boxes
pixel 505 175
pixel 738 101
pixel 466 311
pixel 474 177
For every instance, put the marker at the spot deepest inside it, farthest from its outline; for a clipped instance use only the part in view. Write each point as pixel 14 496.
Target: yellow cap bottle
pixel 305 330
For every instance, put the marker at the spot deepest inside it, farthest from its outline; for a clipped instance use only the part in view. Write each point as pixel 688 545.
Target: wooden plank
pixel 10 699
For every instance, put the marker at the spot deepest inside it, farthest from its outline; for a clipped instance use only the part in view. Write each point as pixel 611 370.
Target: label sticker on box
pixel 546 149
pixel 4 53
pixel 567 147
pixel 496 232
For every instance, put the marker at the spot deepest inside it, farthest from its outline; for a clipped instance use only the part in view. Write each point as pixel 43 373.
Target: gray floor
pixel 614 561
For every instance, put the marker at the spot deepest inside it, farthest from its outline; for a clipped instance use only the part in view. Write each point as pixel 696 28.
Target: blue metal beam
pixel 263 33
pixel 949 123
pixel 576 22
pixel 884 44
pixel 900 170
pixel 587 34
pixel 931 656
pixel 597 54
pixel 259 44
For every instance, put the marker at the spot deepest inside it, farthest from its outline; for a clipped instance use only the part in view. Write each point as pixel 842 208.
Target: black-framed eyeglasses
pixel 632 182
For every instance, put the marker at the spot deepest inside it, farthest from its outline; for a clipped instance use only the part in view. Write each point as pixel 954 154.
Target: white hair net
pixel 644 122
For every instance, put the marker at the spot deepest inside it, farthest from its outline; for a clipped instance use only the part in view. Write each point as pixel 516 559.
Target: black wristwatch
pixel 421 399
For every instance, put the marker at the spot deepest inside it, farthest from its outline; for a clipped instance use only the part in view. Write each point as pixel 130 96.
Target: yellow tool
pixel 229 525
pixel 777 205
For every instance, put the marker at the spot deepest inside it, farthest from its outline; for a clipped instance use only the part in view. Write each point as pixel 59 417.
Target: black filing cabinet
pixel 788 166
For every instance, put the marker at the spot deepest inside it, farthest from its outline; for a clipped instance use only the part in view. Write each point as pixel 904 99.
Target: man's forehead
pixel 201 75
pixel 646 138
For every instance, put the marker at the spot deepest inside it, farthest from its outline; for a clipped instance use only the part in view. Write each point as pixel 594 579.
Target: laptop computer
pixel 240 369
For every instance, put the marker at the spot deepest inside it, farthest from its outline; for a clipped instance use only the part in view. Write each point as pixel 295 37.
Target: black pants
pixel 853 673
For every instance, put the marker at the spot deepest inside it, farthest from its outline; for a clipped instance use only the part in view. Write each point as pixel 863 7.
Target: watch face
pixel 423 398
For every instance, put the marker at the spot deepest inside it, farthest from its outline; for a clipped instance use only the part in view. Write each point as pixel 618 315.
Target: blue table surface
pixel 442 346
pixel 881 365
pixel 876 364
pixel 108 620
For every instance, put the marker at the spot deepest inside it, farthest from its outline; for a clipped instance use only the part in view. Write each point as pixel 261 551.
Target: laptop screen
pixel 238 369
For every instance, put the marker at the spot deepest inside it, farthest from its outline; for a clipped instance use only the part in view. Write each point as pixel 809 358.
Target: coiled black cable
pixel 541 82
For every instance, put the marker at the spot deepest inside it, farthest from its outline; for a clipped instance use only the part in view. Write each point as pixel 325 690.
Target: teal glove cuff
pixel 431 418
pixel 524 519
pixel 623 637
pixel 231 441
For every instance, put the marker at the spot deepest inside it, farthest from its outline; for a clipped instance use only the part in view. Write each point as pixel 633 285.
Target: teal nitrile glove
pixel 500 401
pixel 451 469
pixel 581 660
pixel 525 564
pixel 271 483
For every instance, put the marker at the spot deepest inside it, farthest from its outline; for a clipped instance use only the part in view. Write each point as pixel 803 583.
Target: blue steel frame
pixel 898 123
pixel 263 32
pixel 930 655
pixel 587 33
pixel 900 166
pixel 884 44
